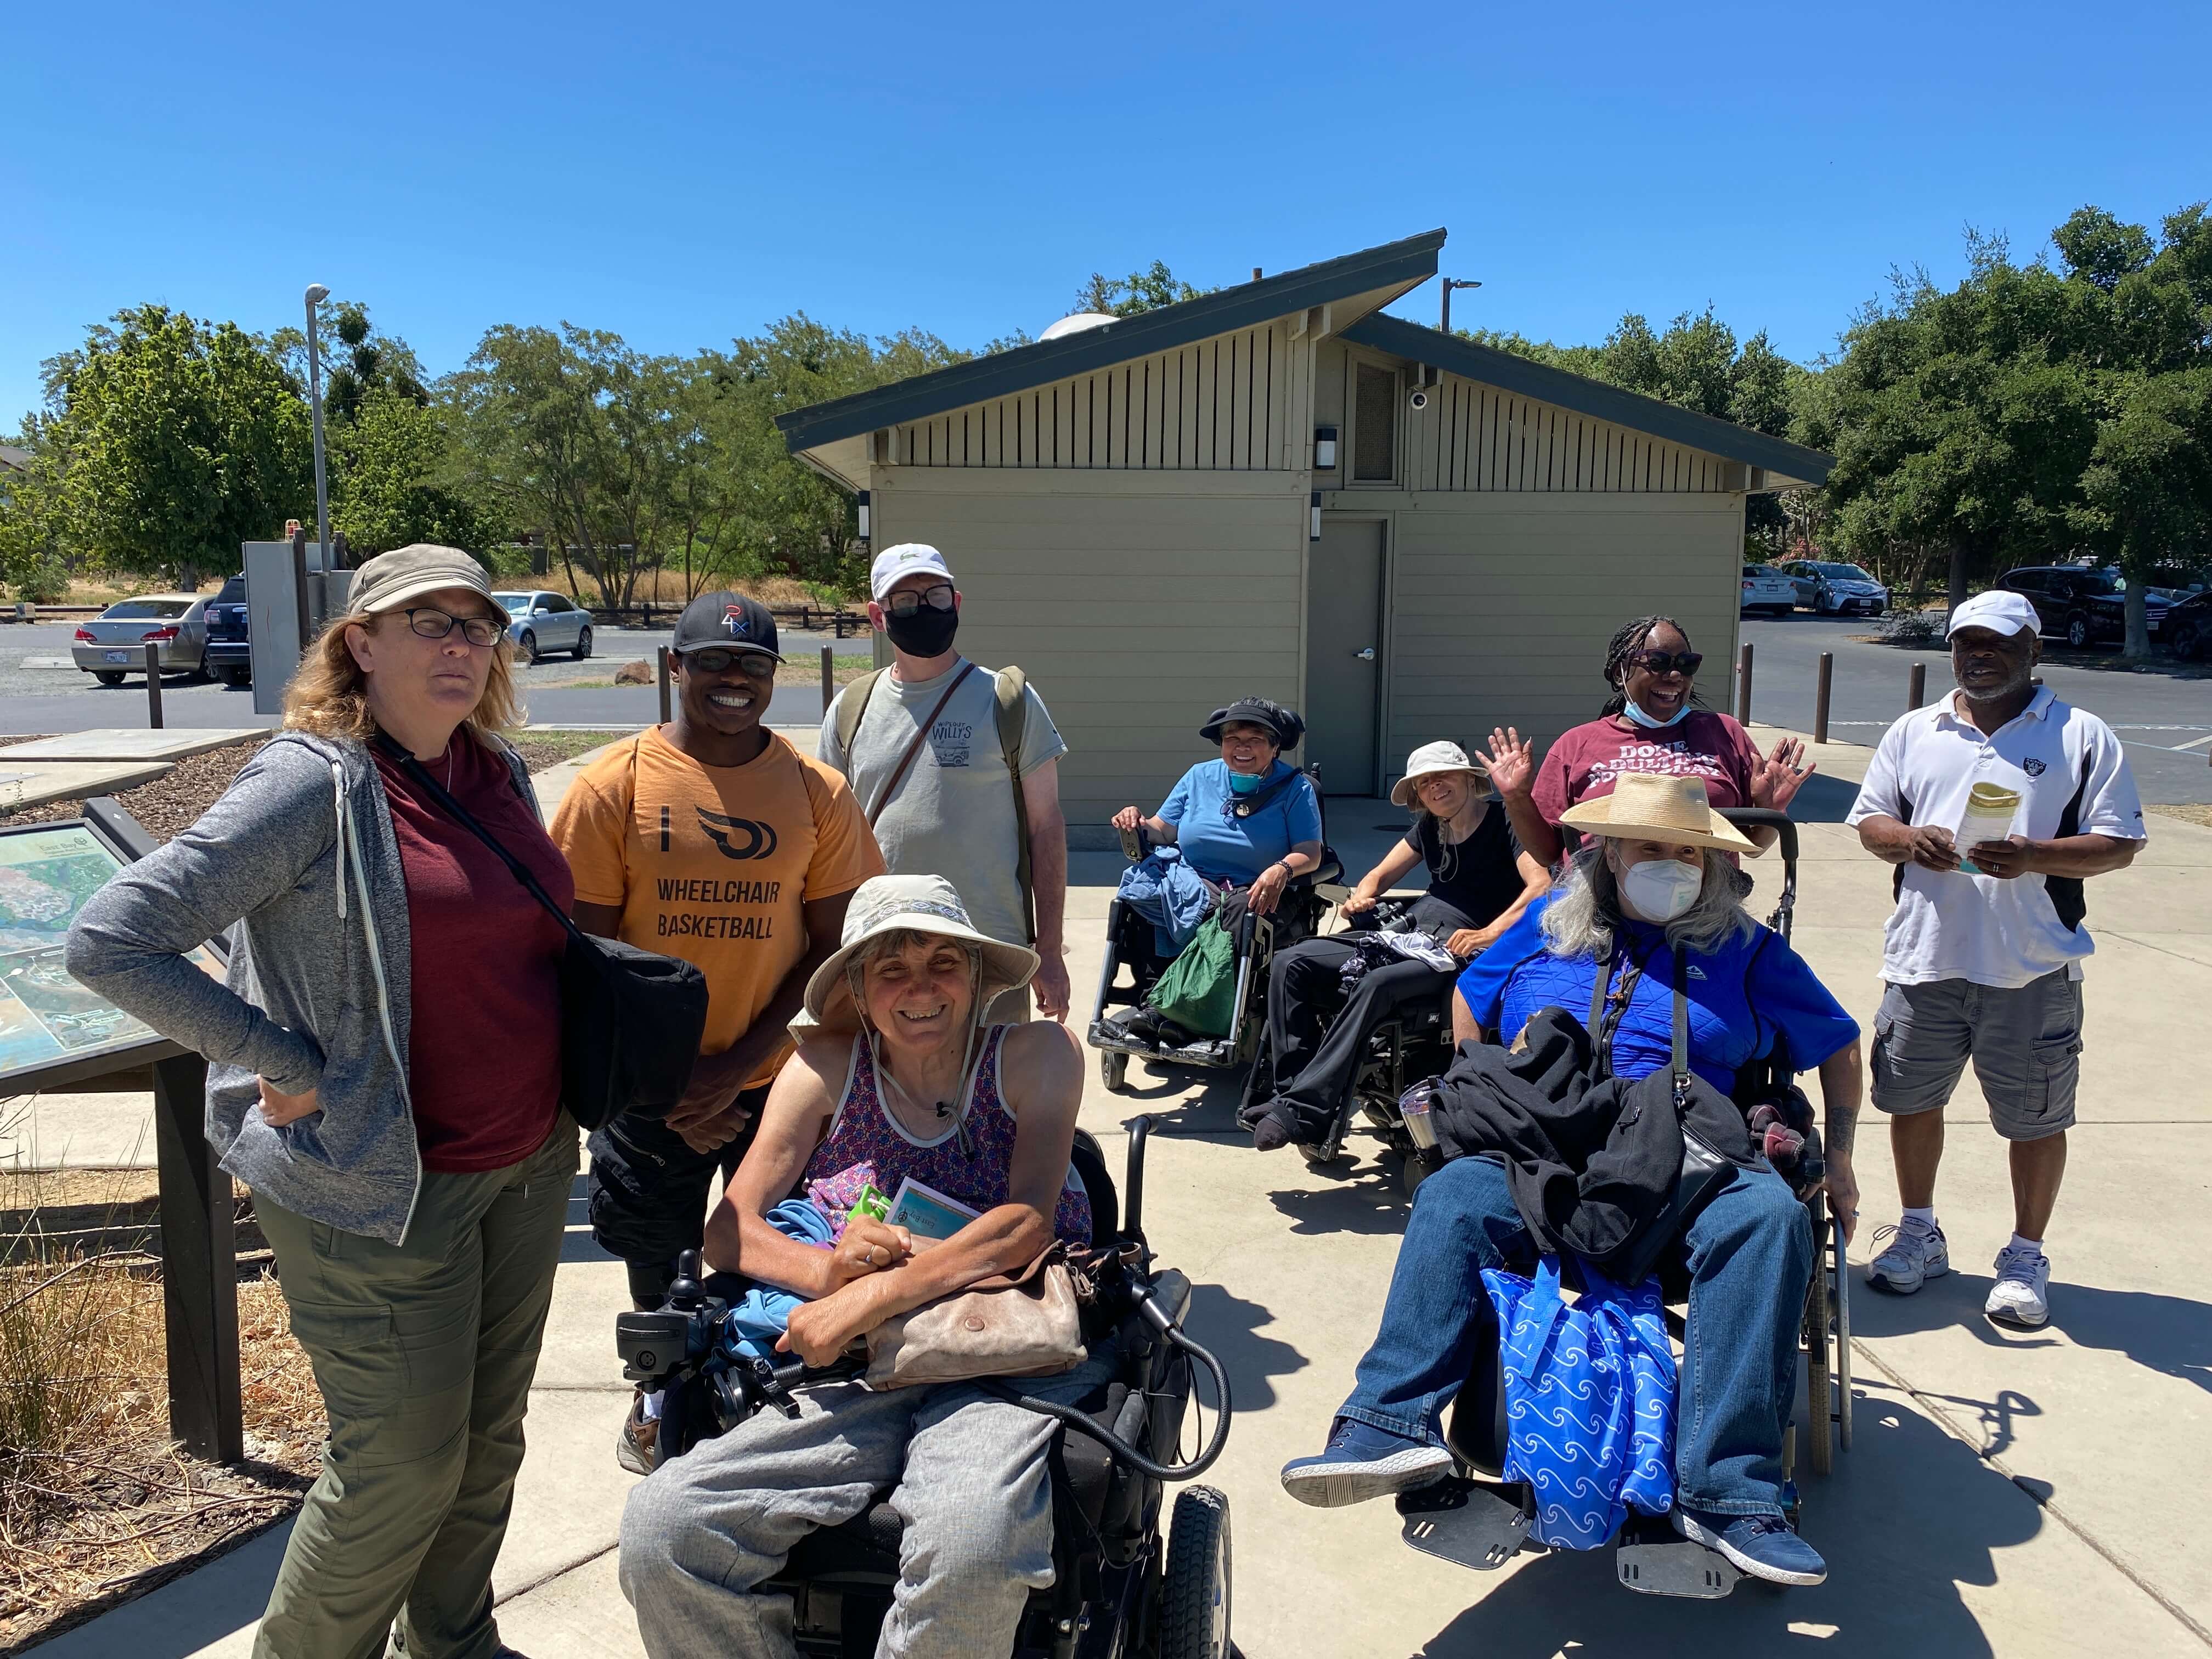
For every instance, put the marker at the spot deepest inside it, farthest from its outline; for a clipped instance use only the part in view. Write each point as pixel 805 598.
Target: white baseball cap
pixel 1998 612
pixel 896 564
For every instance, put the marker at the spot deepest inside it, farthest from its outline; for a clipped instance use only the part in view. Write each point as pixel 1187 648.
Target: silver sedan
pixel 541 621
pixel 113 643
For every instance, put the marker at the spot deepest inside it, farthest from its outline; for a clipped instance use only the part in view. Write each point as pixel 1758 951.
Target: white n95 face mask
pixel 1660 890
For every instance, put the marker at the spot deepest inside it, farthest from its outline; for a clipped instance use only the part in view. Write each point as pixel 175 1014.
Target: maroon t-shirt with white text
pixel 483 1036
pixel 1583 764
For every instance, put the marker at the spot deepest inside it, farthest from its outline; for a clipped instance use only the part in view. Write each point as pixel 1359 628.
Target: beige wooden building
pixel 1279 490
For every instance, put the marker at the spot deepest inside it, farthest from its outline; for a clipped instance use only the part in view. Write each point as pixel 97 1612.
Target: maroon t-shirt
pixel 1583 764
pixel 483 1043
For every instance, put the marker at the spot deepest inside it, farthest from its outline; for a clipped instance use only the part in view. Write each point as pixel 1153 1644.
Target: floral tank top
pixel 865 1146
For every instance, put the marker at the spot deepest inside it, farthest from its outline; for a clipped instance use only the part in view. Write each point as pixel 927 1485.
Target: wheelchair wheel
pixel 1842 1320
pixel 1818 1388
pixel 1195 1600
pixel 1113 1070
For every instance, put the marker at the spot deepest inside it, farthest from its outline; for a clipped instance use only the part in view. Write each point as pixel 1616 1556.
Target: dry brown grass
pixel 666 586
pixel 2194 814
pixel 97 1505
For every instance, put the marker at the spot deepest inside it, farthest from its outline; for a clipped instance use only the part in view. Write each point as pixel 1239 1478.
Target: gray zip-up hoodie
pixel 298 862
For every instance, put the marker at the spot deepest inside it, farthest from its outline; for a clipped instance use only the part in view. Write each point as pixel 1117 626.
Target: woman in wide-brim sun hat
pixel 900 1082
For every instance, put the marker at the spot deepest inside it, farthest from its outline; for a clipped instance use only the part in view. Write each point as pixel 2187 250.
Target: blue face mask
pixel 1243 783
pixel 1637 717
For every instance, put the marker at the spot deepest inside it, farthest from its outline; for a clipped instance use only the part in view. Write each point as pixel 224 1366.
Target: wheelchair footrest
pixel 1465 1521
pixel 1654 1559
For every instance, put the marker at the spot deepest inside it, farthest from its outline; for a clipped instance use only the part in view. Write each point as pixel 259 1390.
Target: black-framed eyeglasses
pixel 1684 663
pixel 714 659
pixel 937 597
pixel 434 624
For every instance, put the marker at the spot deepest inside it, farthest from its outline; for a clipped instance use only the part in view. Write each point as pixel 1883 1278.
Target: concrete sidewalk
pixel 2009 1494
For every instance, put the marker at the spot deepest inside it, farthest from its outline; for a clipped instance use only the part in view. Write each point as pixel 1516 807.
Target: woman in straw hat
pixel 1479 881
pixel 902 1082
pixel 1651 891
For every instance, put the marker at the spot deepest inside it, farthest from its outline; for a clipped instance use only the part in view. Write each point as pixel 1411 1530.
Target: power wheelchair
pixel 1125 1586
pixel 1129 944
pixel 1476 1518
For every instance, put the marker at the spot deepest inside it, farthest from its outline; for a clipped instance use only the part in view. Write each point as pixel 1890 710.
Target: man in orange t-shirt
pixel 712 839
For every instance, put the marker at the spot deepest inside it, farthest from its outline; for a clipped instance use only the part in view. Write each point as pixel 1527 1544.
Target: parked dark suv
pixel 2189 626
pixel 229 657
pixel 2083 605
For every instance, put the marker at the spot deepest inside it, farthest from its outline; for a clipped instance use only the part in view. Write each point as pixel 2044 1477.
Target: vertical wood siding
pixel 1474 437
pixel 1233 403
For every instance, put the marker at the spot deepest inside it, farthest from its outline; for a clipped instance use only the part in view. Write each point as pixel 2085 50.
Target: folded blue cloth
pixel 1163 889
pixel 763 1313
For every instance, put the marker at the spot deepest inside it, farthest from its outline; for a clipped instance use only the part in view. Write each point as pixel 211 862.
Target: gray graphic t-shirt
pixel 953 815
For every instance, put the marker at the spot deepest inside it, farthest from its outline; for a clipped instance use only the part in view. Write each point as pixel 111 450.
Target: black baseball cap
pixel 735 621
pixel 1263 712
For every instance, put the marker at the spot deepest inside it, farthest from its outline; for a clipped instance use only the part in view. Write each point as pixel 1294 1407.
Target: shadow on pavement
pixel 2169 1334
pixel 1166 1091
pixel 1228 1326
pixel 1894 1565
pixel 1369 1202
pixel 1823 799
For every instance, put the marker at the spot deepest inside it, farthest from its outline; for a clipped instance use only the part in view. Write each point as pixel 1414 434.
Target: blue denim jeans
pixel 1750 1258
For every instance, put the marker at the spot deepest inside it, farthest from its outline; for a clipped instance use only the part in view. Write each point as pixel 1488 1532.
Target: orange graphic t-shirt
pixel 712 863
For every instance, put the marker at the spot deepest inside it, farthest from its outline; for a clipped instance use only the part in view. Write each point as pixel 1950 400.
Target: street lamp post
pixel 1443 324
pixel 316 294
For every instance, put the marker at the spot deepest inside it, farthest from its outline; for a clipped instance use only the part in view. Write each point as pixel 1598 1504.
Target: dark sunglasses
pixel 436 624
pixel 714 659
pixel 1684 663
pixel 937 597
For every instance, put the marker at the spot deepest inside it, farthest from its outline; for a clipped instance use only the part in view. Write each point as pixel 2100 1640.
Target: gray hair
pixel 1580 922
pixel 898 939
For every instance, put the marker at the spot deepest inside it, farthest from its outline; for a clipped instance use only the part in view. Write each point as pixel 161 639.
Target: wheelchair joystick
pixel 686 1292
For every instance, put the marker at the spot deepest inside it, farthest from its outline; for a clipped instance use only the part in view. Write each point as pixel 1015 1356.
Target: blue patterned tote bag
pixel 1590 1401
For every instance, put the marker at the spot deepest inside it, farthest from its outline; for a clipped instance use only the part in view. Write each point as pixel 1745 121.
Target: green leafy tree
pixel 180 440
pixel 1148 290
pixel 34 540
pixel 393 482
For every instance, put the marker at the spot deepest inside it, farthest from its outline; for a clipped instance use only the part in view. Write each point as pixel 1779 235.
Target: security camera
pixel 1417 400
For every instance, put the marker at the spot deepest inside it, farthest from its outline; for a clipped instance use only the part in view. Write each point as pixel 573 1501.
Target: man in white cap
pixel 957 770
pixel 1982 955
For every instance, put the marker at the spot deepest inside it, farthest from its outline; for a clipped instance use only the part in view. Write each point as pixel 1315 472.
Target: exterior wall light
pixel 1324 448
pixel 864 515
pixel 1314 533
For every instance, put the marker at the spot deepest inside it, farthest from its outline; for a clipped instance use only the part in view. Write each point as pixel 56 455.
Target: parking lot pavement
pixel 2162 712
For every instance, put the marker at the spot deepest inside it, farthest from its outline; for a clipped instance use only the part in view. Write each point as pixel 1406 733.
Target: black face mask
pixel 927 632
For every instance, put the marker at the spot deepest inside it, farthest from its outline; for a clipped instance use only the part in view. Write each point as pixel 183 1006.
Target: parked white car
pixel 543 620
pixel 1766 588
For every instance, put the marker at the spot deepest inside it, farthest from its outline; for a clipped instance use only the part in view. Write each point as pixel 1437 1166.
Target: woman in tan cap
pixel 904 1083
pixel 1651 893
pixel 386 1078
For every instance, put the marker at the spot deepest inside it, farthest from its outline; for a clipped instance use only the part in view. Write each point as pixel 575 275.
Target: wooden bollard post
pixel 1820 696
pixel 153 685
pixel 829 676
pixel 1918 692
pixel 666 711
pixel 1743 685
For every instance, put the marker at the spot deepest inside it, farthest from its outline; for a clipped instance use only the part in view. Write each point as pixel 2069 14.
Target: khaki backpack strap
pixel 1013 688
pixel 850 708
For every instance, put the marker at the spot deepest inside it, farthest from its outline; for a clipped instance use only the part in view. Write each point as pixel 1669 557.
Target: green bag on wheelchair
pixel 1197 991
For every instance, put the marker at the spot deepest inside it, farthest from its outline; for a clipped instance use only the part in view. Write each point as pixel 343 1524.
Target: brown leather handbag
pixel 1021 1324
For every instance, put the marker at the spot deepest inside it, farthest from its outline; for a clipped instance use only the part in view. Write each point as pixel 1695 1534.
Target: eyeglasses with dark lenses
pixel 714 659
pixel 937 597
pixel 436 624
pixel 1684 663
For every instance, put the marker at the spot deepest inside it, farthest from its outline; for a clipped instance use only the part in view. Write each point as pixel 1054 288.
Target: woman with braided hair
pixel 1652 722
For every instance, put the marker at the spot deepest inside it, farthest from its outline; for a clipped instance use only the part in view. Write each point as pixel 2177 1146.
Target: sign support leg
pixel 199 1268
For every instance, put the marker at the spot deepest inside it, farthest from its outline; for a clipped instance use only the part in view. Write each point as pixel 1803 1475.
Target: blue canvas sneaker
pixel 1760 1545
pixel 1362 1462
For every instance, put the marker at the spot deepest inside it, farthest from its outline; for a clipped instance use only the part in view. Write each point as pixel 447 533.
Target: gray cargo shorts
pixel 2025 1044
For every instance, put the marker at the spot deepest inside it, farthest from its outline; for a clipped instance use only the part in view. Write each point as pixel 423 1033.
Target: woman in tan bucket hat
pixel 1650 902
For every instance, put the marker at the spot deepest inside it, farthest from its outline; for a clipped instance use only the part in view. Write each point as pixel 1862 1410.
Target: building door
pixel 1343 655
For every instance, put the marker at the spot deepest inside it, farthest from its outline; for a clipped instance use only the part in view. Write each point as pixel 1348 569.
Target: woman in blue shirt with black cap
pixel 1249 819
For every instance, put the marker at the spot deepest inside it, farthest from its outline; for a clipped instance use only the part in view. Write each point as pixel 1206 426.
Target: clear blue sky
pixel 682 173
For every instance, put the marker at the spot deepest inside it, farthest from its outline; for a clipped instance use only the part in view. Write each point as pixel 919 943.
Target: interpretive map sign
pixel 48 871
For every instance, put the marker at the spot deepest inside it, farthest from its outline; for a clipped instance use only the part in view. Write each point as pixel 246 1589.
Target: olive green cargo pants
pixel 424 1352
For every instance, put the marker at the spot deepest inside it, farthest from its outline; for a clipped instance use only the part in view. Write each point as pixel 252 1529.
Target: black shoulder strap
pixel 1264 795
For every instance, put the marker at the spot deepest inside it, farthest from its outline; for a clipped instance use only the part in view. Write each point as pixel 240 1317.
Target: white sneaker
pixel 2018 1298
pixel 1917 1254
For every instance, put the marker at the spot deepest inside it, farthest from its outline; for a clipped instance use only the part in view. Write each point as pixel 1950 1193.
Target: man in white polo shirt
pixel 1983 954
